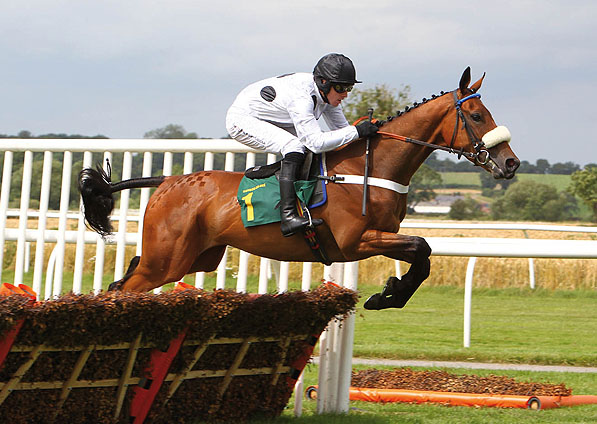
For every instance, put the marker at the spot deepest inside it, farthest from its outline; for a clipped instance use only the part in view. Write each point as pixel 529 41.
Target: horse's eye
pixel 476 117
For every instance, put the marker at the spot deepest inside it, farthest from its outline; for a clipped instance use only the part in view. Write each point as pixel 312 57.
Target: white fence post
pixel 64 199
pixel 4 197
pixel 329 364
pixel 346 330
pixel 25 193
pixel 44 198
pixel 127 164
pixel 80 248
pixel 468 297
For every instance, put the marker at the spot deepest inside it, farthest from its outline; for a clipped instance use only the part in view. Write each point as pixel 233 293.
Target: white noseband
pixel 496 136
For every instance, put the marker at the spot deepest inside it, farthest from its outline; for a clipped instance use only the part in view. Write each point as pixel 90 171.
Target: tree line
pixel 541 166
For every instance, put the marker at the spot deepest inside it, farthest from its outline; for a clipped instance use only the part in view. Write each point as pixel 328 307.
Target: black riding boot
pixel 291 222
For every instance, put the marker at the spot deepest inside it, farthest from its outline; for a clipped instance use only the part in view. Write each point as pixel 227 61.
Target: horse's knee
pixel 422 248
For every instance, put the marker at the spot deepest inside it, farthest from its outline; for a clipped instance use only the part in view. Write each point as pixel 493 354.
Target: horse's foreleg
pixel 117 285
pixel 161 263
pixel 209 260
pixel 412 249
pixel 147 276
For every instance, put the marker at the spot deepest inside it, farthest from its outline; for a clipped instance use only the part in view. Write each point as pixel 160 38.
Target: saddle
pixel 312 170
pixel 259 194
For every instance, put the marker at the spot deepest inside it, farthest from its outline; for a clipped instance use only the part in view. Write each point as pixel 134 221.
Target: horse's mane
pixel 409 108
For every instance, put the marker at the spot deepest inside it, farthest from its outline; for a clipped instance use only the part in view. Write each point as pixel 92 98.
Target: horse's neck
pixel 423 123
pixel 393 159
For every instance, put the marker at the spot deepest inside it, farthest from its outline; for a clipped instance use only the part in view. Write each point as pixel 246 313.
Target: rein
pixel 480 156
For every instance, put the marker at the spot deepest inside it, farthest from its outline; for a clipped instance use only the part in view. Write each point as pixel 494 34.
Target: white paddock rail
pixel 340 348
pixel 336 342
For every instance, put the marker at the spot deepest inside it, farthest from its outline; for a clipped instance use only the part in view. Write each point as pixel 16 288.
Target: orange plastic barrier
pixel 8 289
pixel 181 285
pixel 462 399
pixel 145 392
pixel 7 339
pixel 547 402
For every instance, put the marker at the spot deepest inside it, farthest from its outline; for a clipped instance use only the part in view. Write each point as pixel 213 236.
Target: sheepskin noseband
pixel 496 136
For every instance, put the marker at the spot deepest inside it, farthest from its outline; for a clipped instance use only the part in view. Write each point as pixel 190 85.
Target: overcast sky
pixel 122 68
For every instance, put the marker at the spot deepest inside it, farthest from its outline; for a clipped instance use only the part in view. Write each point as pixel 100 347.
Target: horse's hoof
pixel 377 302
pixel 116 285
pixel 383 300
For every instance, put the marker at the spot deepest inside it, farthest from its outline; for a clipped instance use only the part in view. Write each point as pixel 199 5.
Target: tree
pixel 422 185
pixel 170 131
pixel 448 165
pixel 533 201
pixel 584 185
pixel 384 100
pixel 542 166
pixel 527 168
pixel 467 208
pixel 489 185
pixel 174 131
pixel 564 168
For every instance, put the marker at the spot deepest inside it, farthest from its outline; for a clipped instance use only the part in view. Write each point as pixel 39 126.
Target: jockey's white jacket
pixel 293 103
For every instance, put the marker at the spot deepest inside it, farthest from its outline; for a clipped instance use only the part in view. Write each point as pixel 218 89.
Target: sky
pixel 122 68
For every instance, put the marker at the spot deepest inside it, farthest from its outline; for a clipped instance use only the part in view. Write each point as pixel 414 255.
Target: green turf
pixel 461 179
pixel 472 179
pixel 507 325
pixel 374 413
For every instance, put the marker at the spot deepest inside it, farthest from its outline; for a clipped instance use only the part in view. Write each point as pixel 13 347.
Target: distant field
pixel 464 179
pixel 468 179
pixel 561 182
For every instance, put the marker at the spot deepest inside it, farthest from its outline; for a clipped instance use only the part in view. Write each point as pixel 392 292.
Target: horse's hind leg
pixel 414 250
pixel 397 292
pixel 117 285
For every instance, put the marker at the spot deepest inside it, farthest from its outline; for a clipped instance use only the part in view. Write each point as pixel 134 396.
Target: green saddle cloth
pixel 260 199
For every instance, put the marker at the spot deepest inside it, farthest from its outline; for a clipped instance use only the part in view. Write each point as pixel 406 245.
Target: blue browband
pixel 464 99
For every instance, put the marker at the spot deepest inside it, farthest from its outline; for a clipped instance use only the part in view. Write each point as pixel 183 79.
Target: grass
pixel 472 179
pixel 560 182
pixel 461 179
pixel 373 413
pixel 507 325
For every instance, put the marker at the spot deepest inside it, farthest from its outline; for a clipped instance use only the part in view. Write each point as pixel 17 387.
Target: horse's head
pixel 475 131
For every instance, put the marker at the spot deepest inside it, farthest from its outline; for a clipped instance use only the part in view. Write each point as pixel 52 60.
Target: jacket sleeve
pixel 310 133
pixel 334 118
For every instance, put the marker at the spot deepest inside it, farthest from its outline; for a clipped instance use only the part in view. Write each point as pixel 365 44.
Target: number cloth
pixel 260 199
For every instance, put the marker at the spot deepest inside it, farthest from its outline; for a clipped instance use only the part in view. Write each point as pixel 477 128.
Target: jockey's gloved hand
pixel 366 129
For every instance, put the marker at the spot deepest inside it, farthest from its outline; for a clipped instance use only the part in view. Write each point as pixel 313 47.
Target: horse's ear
pixel 475 87
pixel 465 79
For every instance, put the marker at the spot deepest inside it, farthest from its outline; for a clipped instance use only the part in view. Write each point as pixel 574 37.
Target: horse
pixel 191 219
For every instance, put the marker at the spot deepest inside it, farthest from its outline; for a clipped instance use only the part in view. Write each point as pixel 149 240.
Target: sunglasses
pixel 340 88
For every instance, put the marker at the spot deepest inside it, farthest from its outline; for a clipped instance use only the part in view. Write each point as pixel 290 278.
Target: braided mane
pixel 414 105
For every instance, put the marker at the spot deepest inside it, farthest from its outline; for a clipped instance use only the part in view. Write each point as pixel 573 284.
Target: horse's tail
pixel 96 191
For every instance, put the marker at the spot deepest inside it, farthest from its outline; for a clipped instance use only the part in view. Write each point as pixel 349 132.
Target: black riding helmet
pixel 333 68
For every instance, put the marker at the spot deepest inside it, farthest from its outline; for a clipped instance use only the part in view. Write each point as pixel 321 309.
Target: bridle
pixel 481 155
pixel 478 145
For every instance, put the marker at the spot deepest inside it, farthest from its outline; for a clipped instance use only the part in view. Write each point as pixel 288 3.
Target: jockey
pixel 279 115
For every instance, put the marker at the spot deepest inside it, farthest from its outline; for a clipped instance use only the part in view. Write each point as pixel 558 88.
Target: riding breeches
pixel 262 135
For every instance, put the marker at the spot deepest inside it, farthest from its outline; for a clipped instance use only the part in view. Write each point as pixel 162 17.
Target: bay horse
pixel 191 219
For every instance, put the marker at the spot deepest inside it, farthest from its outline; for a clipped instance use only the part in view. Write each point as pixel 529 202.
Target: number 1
pixel 250 213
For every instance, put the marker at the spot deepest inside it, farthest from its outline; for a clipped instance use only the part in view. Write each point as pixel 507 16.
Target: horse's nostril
pixel 512 164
